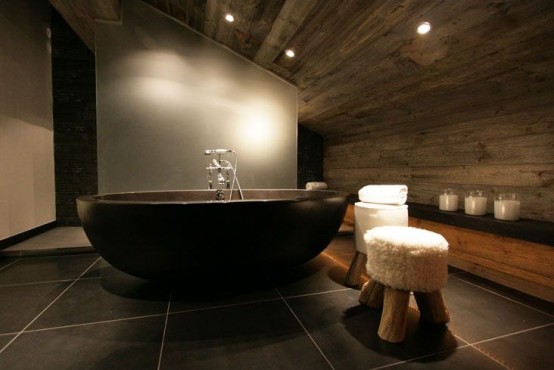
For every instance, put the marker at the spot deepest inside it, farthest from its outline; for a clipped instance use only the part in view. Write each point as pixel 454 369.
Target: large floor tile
pixel 477 314
pixel 4 262
pixel 102 268
pixel 528 350
pixel 321 274
pixel 225 293
pixel 35 269
pixel 5 339
pixel 113 297
pixel 253 336
pixel 20 304
pixel 346 331
pixel 128 344
pixel 458 359
pixel 537 303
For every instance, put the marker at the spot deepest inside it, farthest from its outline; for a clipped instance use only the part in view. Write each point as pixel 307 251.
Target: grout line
pixel 306 331
pixel 256 301
pixel 9 264
pixel 165 329
pixel 473 345
pixel 93 323
pixel 507 298
pixel 317 293
pixel 47 307
pixel 492 358
pixel 514 333
pixel 36 282
pixel 225 305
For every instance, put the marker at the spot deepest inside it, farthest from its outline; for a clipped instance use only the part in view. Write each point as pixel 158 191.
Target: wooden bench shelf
pixel 518 254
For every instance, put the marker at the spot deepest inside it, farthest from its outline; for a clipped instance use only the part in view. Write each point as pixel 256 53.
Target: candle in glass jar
pixel 506 207
pixel 448 200
pixel 476 203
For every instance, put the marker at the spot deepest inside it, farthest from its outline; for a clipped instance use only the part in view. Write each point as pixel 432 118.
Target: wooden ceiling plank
pixel 107 9
pixel 480 59
pixel 292 15
pixel 380 48
pixel 210 18
pixel 385 22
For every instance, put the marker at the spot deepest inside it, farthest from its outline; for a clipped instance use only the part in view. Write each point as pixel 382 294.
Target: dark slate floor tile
pixel 224 293
pixel 458 359
pixel 477 314
pixel 19 304
pixel 108 298
pixel 346 331
pixel 102 268
pixel 321 274
pixel 36 269
pixel 128 344
pixel 342 244
pixel 253 336
pixel 6 261
pixel 537 303
pixel 5 339
pixel 528 350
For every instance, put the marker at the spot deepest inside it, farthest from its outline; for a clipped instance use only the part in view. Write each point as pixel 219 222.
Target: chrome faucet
pixel 226 174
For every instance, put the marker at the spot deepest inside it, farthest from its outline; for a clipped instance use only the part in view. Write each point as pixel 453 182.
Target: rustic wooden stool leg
pixel 394 318
pixel 371 294
pixel 357 267
pixel 432 307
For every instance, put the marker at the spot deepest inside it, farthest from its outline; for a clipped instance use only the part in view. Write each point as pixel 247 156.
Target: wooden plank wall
pixel 479 115
pixel 492 135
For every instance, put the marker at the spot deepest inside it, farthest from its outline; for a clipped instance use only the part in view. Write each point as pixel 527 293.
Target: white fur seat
pixel 400 260
pixel 407 258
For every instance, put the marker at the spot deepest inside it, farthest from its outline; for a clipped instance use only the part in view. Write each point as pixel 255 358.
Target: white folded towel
pixel 384 194
pixel 316 186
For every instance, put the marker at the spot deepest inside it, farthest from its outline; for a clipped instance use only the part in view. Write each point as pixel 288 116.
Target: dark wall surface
pixel 74 109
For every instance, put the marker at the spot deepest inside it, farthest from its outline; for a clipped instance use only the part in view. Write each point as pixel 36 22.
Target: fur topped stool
pixel 400 260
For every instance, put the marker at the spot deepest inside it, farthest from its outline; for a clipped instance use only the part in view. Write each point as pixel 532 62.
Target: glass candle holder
pixel 448 200
pixel 476 203
pixel 506 207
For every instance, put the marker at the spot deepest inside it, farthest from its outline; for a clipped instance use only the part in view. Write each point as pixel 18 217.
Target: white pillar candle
pixel 476 203
pixel 506 207
pixel 448 201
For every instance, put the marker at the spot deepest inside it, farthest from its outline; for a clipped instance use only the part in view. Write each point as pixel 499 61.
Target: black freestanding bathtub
pixel 173 234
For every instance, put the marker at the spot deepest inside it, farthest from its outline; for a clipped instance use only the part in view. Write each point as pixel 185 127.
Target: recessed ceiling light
pixel 289 53
pixel 423 28
pixel 229 18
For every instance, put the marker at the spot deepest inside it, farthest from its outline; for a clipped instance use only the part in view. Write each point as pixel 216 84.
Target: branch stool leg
pixel 357 267
pixel 394 318
pixel 432 307
pixel 372 294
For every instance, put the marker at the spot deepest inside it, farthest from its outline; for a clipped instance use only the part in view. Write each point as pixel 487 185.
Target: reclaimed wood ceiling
pixel 359 62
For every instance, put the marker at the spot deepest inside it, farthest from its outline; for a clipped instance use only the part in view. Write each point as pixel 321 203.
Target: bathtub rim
pixel 323 194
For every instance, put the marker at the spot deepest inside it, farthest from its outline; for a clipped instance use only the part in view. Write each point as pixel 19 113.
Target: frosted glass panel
pixel 165 94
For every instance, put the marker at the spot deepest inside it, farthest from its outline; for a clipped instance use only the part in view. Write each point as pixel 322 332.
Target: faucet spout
pixel 217 166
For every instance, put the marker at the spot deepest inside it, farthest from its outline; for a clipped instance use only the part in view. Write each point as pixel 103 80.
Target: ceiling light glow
pixel 229 18
pixel 423 28
pixel 289 53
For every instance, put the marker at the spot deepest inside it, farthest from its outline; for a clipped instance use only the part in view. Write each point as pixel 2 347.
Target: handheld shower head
pixel 217 151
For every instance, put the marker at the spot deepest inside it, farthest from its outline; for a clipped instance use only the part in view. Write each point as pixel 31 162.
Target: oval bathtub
pixel 169 234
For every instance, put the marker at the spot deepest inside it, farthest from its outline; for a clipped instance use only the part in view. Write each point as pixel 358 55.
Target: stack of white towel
pixel 316 186
pixel 384 194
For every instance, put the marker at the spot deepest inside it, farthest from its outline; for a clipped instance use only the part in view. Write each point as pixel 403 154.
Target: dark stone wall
pixel 310 157
pixel 74 110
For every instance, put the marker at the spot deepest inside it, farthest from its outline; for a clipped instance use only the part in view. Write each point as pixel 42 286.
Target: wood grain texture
pixel 518 264
pixel 394 318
